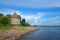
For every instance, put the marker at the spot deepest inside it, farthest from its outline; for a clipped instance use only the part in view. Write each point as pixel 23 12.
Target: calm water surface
pixel 44 33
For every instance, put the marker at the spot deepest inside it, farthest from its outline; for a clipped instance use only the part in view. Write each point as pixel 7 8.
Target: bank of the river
pixel 15 32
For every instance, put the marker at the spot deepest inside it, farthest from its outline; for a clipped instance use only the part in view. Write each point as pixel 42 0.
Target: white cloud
pixel 33 19
pixel 53 21
pixel 9 11
pixel 36 16
pixel 31 3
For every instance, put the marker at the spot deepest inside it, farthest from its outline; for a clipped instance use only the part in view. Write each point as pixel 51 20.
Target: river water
pixel 44 33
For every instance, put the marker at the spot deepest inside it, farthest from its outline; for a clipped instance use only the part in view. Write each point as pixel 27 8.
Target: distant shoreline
pixel 44 26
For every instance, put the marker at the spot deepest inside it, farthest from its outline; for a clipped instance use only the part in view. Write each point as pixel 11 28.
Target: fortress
pixel 15 19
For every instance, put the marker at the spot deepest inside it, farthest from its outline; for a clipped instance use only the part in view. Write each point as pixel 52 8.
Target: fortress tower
pixel 15 19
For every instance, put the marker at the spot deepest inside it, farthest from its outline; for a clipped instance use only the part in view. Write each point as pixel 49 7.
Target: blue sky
pixel 38 12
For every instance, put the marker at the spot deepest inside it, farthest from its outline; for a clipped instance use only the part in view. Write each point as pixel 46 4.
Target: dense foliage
pixel 4 20
pixel 8 15
pixel 1 15
pixel 23 21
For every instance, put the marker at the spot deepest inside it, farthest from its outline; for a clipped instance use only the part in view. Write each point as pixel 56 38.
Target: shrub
pixel 4 21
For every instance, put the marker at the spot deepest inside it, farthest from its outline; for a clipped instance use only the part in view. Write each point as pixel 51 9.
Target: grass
pixel 3 27
pixel 11 25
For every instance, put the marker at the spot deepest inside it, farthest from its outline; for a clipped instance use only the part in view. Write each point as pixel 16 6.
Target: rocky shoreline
pixel 15 33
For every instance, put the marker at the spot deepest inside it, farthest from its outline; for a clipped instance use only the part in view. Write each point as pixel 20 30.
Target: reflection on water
pixel 44 33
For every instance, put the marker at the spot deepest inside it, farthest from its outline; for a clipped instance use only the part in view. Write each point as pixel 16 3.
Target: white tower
pixel 15 19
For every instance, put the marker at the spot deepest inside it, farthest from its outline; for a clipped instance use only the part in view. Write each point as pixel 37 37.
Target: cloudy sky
pixel 36 12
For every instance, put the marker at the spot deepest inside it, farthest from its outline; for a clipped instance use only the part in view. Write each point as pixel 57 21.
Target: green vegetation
pixel 23 22
pixel 1 15
pixel 8 15
pixel 6 23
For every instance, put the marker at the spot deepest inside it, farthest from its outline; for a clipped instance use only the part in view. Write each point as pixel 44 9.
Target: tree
pixel 23 22
pixel 1 15
pixel 8 15
pixel 19 16
pixel 27 24
pixel 4 20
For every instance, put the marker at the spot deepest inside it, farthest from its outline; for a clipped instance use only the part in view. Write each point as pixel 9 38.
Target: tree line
pixel 5 20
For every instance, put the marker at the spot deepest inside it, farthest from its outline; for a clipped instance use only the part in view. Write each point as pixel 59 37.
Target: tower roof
pixel 15 15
